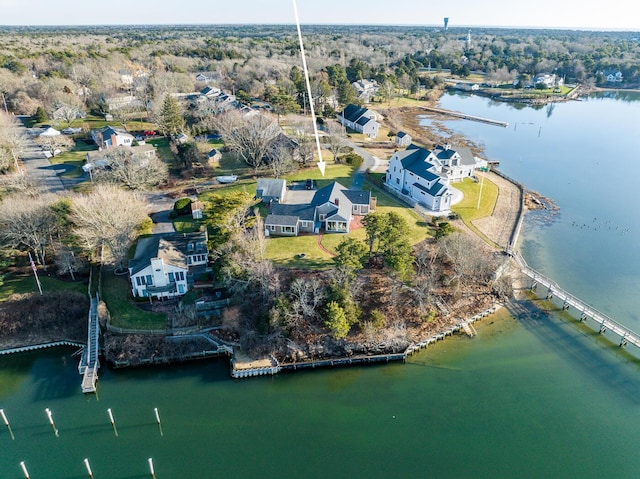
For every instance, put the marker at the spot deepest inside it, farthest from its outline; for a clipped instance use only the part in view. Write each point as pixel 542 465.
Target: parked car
pixel 309 184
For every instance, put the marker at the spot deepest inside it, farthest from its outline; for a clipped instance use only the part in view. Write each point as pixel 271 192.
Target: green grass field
pixel 20 284
pixel 162 149
pixel 469 208
pixel 74 159
pixel 116 293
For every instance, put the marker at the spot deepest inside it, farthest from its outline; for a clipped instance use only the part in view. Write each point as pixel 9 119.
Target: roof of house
pixel 334 193
pixel 302 212
pixel 97 155
pixel 107 131
pixel 281 220
pixel 415 160
pixel 358 197
pixel 363 120
pixel 172 248
pixel 402 134
pixel 438 189
pixel 270 187
pixel 353 112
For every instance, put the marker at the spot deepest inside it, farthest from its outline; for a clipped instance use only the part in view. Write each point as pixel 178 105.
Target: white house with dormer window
pixel 164 264
pixel 424 176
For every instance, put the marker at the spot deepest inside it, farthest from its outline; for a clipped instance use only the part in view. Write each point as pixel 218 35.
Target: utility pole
pixel 4 100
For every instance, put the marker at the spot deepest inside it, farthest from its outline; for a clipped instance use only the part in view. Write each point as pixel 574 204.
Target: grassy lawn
pixel 468 208
pixel 229 164
pixel 74 159
pixel 162 149
pixel 284 251
pixel 186 224
pixel 339 172
pixel 116 293
pixel 19 284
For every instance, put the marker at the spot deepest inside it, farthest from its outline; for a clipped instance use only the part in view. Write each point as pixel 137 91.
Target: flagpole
pixel 480 195
pixel 35 273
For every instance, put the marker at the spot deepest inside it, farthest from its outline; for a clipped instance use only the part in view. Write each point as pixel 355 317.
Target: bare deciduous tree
pixel 280 159
pixel 108 218
pixel 468 260
pixel 307 295
pixel 67 261
pixel 13 142
pixel 251 138
pixel 28 222
pixel 335 139
pixel 55 144
pixel 134 170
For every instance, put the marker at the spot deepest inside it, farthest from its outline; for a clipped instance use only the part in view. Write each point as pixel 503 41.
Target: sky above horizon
pixel 501 13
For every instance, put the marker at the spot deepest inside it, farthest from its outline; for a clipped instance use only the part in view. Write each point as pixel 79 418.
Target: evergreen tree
pixel 337 321
pixel 40 116
pixel 171 121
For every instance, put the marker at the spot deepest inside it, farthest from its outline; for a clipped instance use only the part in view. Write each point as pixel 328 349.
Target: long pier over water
pixel 466 116
pixel 602 321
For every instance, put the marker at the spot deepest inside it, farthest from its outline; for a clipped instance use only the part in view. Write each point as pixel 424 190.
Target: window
pixel 288 229
pixel 397 181
pixel 138 281
pixel 272 227
pixel 181 288
pixel 394 169
pixel 150 280
pixel 180 275
pixel 172 278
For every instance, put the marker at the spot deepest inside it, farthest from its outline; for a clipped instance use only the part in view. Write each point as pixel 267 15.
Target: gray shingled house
pixel 332 209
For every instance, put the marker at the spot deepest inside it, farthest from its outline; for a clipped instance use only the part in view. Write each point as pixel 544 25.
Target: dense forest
pixel 54 66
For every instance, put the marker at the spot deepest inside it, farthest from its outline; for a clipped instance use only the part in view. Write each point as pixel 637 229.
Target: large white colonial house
pixel 164 264
pixel 424 176
pixel 359 119
pixel 332 208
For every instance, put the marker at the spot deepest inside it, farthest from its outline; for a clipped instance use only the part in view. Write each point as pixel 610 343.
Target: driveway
pixel 159 207
pixel 370 162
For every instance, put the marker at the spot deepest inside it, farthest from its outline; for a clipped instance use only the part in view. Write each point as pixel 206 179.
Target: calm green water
pixel 531 396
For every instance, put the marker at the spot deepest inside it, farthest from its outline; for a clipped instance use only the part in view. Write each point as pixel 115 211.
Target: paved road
pixel 47 177
pixel 370 161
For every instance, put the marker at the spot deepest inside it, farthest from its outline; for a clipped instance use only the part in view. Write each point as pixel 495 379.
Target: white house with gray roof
pixel 425 176
pixel 164 264
pixel 359 119
pixel 332 209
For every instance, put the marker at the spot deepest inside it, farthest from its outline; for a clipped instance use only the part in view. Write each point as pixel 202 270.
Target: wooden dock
pixel 89 362
pixel 465 116
pixel 604 322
